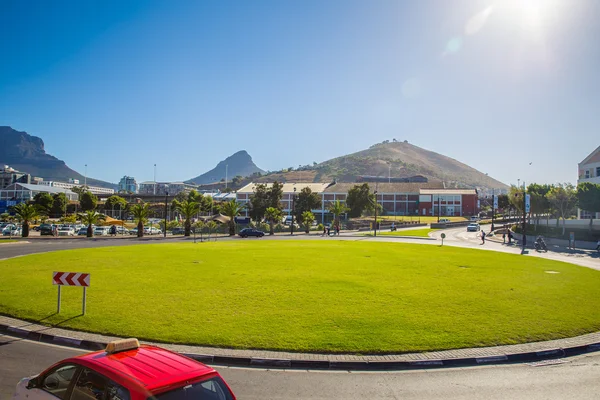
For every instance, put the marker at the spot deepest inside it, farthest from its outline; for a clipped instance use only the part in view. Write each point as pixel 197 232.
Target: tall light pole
pixel 166 205
pixel 155 179
pixel 293 208
pixel 389 173
pixel 85 177
pixel 375 226
pixel 226 171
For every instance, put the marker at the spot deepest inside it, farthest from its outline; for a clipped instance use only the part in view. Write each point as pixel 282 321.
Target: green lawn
pixel 321 295
pixel 8 241
pixel 422 232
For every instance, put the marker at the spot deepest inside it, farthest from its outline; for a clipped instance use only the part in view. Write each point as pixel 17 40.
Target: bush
pixel 320 227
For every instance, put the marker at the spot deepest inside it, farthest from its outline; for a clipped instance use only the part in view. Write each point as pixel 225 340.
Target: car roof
pixel 154 368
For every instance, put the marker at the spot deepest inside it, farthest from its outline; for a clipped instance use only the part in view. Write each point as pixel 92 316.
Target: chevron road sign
pixel 71 279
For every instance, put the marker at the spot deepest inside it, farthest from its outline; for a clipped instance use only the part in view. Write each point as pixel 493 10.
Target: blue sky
pixel 122 85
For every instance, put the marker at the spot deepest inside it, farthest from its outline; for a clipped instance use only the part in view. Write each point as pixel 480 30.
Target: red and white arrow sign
pixel 71 278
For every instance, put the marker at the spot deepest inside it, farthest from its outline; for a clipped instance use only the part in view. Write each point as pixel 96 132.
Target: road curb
pixel 309 364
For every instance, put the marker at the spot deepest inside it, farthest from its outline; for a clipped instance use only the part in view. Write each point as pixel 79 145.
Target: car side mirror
pixel 33 383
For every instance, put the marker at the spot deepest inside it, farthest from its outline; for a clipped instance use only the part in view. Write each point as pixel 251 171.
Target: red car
pixel 126 371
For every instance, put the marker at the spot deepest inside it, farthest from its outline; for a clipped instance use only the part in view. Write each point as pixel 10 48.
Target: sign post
pixel 72 279
pixel 443 237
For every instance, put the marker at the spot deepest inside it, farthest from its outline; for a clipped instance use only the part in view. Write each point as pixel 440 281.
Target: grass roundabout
pixel 317 296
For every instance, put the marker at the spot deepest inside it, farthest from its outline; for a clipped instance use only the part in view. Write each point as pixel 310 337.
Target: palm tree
pixel 273 215
pixel 231 209
pixel 337 208
pixel 26 212
pixel 188 208
pixel 140 213
pixel 90 218
pixel 307 219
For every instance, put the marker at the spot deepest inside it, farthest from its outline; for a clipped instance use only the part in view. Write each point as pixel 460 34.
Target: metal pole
pixel 58 306
pixel 166 202
pixel 375 226
pixel 85 177
pixel 493 208
pixel 84 299
pixel 293 209
pixel 226 170
pixel 524 218
pixel 155 180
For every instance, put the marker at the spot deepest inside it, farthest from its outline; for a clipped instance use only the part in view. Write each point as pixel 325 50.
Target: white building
pixel 589 171
pixel 26 192
pixel 161 188
pixel 64 185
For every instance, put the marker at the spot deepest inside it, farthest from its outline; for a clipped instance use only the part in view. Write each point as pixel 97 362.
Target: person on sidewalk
pixel 598 246
pixel 482 237
pixel 504 238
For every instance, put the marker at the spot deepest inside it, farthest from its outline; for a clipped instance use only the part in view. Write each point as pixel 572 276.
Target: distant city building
pixel 64 185
pixel 589 171
pixel 161 188
pixel 369 178
pixel 127 184
pixel 9 175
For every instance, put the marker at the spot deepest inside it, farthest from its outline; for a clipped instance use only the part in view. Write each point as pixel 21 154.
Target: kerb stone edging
pixel 586 344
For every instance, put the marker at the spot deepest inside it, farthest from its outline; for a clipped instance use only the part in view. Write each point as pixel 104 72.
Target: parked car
pixel 66 230
pixel 46 229
pixel 121 230
pixel 11 230
pixel 474 218
pixel 152 231
pixel 246 232
pixel 126 371
pixel 83 231
pixel 101 231
pixel 178 231
pixel 133 231
pixel 444 220
pixel 473 227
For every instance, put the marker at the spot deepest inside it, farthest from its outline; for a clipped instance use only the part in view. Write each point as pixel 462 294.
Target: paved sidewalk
pixel 471 356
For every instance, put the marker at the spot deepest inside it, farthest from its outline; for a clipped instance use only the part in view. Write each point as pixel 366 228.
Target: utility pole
pixel 226 170
pixel 439 207
pixel 85 177
pixel 155 179
pixel 493 208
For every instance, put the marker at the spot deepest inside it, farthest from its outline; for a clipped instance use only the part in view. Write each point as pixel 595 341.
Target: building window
pixel 587 174
pixel 597 171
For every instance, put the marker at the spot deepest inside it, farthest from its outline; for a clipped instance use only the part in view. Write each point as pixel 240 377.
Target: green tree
pixel 79 190
pixel 563 198
pixel 337 208
pixel 59 204
pixel 188 209
pixel 263 198
pixel 88 201
pixel 588 196
pixel 231 209
pixel 115 202
pixel 273 216
pixel 539 200
pixel 359 199
pixel 307 219
pixel 26 213
pixel 140 212
pixel 44 202
pixel 515 197
pixel 306 201
pixel 89 218
pixel 4 217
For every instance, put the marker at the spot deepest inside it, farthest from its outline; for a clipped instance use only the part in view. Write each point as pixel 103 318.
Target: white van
pixel 287 220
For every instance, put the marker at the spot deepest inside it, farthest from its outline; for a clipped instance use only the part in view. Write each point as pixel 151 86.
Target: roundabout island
pixel 350 297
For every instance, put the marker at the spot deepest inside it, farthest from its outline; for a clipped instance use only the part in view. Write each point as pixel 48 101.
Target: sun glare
pixel 533 15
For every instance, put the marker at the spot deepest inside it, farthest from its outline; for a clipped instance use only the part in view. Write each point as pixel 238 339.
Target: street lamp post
pixel 375 226
pixel 524 216
pixel 493 208
pixel 85 177
pixel 166 205
pixel 155 180
pixel 293 208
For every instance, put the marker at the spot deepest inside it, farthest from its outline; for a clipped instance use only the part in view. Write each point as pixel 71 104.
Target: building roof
pixel 384 187
pixel 287 187
pixel 38 188
pixel 593 157
pixel 447 191
pixel 148 366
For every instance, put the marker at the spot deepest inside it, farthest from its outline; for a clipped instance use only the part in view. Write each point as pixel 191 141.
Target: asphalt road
pixel 574 378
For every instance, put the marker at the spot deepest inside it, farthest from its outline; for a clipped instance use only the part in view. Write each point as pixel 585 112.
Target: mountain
pixel 239 163
pixel 26 153
pixel 398 159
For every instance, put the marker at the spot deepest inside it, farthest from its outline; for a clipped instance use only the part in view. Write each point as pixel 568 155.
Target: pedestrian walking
pixel 113 230
pixel 337 230
pixel 482 237
pixel 509 237
pixel 324 230
pixel 328 230
pixel 504 238
pixel 55 230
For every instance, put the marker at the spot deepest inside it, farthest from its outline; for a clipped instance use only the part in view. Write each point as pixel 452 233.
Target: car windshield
pixel 213 388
